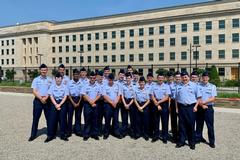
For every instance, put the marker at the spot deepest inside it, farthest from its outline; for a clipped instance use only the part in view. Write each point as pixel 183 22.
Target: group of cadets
pixel 186 100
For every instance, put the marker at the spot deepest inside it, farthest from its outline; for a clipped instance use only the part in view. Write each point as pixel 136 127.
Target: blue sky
pixel 22 11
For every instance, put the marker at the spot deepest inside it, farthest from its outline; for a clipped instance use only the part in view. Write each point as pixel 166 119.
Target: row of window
pixel 150 43
pixel 7 42
pixel 7 51
pixel 7 61
pixel 30 40
pixel 141 31
pixel 161 57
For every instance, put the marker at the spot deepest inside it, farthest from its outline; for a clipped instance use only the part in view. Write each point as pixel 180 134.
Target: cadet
pixel 160 93
pixel 135 78
pixel 111 94
pixel 40 86
pixel 130 69
pixel 75 87
pixel 177 77
pixel 127 107
pixel 83 76
pixel 91 94
pixel 187 96
pixel 58 110
pixel 194 77
pixel 142 100
pixel 61 70
pixel 172 106
pixel 106 72
pixel 205 110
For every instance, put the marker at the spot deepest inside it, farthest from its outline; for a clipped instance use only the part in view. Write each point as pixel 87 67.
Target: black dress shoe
pixel 64 138
pixel 119 136
pixel 78 134
pixel 32 138
pixel 69 135
pixel 85 138
pixel 95 137
pixel 154 139
pixel 48 139
pixel 212 145
pixel 192 146
pixel 164 141
pixel 203 140
pixel 146 138
pixel 179 145
pixel 105 136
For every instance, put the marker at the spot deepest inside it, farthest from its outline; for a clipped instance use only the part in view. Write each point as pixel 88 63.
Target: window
pixel 89 58
pixel 89 37
pixel 131 32
pixel 97 47
pixel 183 41
pixel 208 54
pixel 53 39
pixel 105 35
pixel 81 59
pixel 122 33
pixel 2 61
pixel 221 54
pixel 3 43
pixel 235 53
pixel 131 57
pixel 141 44
pixel 67 59
pixel 53 49
pixel 8 61
pixel 209 25
pixel 161 42
pixel 105 46
pixel 81 48
pixel 235 37
pixel 172 28
pixel 60 49
pixel 60 39
pixel 183 55
pixel 60 60
pixel 122 45
pixel 221 24
pixel 172 56
pixel 74 47
pixel 113 46
pixel 161 30
pixel 81 37
pixel 122 58
pixel 141 31
pixel 208 39
pixel 195 39
pixel 97 59
pixel 67 38
pixel 74 59
pixel 53 60
pixel 113 34
pixel 150 56
pixel 151 43
pixel 161 56
pixel 196 26
pixel 2 51
pixel 195 55
pixel 235 23
pixel 89 46
pixel 140 57
pixel 131 44
pixel 96 36
pixel 184 27
pixel 105 58
pixel 172 41
pixel 67 48
pixel 74 38
pixel 221 71
pixel 113 58
pixel 13 51
pixel 8 42
pixel 151 31
pixel 13 42
pixel 221 38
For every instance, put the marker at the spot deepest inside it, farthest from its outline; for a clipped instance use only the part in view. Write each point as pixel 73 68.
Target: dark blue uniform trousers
pixel 174 120
pixel 206 115
pixel 57 117
pixel 187 120
pixel 152 111
pixel 90 119
pixel 124 114
pixel 37 111
pixel 164 114
pixel 142 125
pixel 111 113
pixel 70 112
pixel 100 116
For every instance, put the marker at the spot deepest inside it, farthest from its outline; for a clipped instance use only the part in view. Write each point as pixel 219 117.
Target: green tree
pixel 162 70
pixel 33 74
pixel 214 77
pixel 10 74
pixel 54 71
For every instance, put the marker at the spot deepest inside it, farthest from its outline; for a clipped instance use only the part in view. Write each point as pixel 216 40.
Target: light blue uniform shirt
pixel 91 90
pixel 208 90
pixel 112 91
pixel 74 88
pixel 65 80
pixel 84 81
pixel 188 93
pixel 159 91
pixel 42 85
pixel 58 92
pixel 149 85
pixel 142 95
pixel 128 91
pixel 121 83
pixel 172 87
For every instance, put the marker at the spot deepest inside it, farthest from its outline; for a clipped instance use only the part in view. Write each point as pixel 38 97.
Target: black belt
pixel 187 105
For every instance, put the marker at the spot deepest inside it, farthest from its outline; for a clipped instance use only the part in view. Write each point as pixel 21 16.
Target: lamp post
pixel 196 51
pixel 40 57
